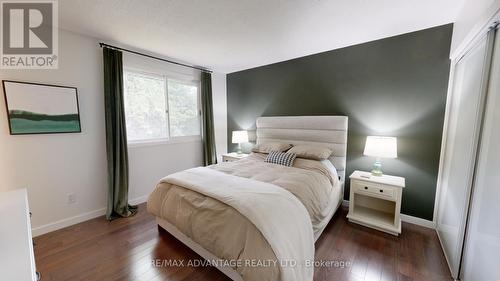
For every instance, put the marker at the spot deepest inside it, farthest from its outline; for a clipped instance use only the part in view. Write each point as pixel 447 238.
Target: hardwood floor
pixel 124 250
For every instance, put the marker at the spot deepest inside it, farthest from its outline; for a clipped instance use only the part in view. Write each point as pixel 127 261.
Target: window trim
pixel 167 75
pixel 163 141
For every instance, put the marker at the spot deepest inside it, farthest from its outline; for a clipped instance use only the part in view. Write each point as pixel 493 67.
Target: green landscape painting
pixel 41 109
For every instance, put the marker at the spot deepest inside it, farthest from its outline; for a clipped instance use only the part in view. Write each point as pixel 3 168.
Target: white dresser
pixel 17 260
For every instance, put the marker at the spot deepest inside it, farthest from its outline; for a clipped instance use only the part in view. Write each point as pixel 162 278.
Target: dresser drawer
pixel 378 190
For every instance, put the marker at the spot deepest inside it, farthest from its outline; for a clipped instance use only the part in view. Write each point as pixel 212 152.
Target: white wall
pixel 53 166
pixel 148 164
pixel 473 17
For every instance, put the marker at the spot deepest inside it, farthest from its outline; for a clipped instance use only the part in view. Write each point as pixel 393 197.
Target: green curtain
pixel 209 153
pixel 116 137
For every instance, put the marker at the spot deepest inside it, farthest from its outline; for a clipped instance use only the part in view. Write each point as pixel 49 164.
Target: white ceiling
pixel 232 35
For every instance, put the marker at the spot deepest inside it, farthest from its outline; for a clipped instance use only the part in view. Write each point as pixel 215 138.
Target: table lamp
pixel 239 137
pixel 380 147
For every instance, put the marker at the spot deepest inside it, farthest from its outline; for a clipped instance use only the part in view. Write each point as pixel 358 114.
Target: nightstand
pixel 233 156
pixel 375 201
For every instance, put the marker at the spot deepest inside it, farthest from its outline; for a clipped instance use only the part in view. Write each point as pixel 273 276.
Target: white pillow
pixel 311 151
pixel 267 147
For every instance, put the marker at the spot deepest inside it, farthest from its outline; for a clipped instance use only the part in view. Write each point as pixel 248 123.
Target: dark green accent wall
pixel 394 86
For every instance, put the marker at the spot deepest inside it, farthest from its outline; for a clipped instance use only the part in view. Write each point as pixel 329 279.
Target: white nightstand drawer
pixel 374 189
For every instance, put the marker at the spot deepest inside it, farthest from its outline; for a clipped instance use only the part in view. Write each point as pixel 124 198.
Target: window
pixel 158 108
pixel 183 109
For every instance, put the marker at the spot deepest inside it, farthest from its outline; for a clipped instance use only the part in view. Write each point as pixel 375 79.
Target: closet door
pixel 461 145
pixel 481 259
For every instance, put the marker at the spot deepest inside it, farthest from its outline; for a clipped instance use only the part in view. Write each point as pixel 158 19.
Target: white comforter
pixel 277 213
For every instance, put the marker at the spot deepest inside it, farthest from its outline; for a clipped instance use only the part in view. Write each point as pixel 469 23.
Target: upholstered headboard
pixel 328 131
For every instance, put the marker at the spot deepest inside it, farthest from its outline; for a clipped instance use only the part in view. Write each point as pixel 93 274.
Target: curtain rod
pixel 102 45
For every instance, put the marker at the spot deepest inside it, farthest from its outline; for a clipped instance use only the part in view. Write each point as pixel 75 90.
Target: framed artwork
pixel 34 108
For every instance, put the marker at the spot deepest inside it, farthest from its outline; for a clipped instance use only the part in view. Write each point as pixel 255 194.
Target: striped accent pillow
pixel 280 158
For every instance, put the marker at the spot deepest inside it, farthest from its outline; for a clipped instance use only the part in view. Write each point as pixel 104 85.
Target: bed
pixel 255 220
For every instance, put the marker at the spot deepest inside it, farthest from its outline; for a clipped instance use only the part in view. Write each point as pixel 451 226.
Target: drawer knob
pixel 381 190
pixel 366 187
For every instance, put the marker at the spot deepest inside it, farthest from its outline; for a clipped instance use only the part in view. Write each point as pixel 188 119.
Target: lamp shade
pixel 240 136
pixel 383 147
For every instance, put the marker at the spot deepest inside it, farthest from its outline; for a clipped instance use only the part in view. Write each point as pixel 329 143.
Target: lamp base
pixel 377 168
pixel 238 151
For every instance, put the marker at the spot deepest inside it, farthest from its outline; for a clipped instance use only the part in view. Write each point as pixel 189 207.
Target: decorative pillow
pixel 267 147
pixel 311 152
pixel 280 158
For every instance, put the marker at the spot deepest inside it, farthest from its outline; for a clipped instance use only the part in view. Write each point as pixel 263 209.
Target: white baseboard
pixel 43 229
pixel 408 218
pixel 53 226
pixel 138 200
pixel 418 221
